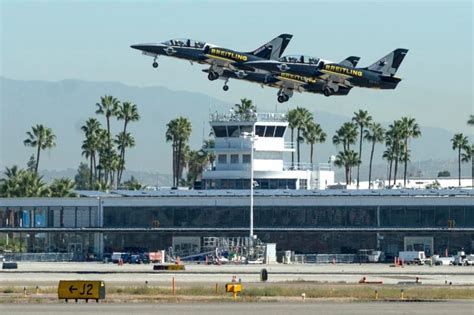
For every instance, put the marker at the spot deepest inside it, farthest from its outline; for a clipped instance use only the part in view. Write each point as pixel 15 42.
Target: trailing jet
pixel 219 58
pixel 310 74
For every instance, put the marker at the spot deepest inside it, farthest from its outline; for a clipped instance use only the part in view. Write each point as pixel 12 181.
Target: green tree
pixel 108 107
pixel 207 147
pixel 22 183
pixel 178 132
pixel 444 174
pixel 132 184
pixel 409 129
pixel 347 159
pixel 460 143
pixel 313 133
pixel 91 145
pixel 292 124
pixel 127 112
pixel 245 109
pixel 389 155
pixel 373 134
pixel 346 135
pixel 304 117
pixel 394 137
pixel 362 119
pixel 62 187
pixel 123 141
pixel 197 161
pixel 40 137
pixel 82 179
pixel 31 164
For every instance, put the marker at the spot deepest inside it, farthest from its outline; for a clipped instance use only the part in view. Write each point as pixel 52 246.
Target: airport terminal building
pixel 304 221
pixel 293 207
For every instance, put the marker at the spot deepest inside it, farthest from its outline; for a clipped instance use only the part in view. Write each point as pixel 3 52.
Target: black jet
pixel 287 83
pixel 311 74
pixel 219 58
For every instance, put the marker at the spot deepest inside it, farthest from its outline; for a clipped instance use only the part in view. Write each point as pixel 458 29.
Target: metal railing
pixel 216 117
pixel 326 258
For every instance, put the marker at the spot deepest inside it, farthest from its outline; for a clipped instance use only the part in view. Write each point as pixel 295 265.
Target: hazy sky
pixel 90 40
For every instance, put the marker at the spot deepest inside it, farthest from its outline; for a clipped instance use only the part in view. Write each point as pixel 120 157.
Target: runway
pixel 353 308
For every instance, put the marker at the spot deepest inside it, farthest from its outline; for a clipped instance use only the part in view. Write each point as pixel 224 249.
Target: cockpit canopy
pixel 300 59
pixel 185 42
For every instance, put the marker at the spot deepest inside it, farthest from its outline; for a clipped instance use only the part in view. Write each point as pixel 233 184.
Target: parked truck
pixel 412 257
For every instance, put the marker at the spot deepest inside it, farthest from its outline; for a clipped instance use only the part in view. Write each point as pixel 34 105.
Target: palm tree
pixel 409 129
pixel 245 109
pixel 197 161
pixel 362 119
pixel 304 116
pixel 40 137
pixel 389 155
pixel 62 187
pixel 345 135
pixel 374 134
pixel 394 139
pixel 313 134
pixel 292 123
pixel 347 159
pixel 127 112
pixel 206 147
pixel 460 143
pixel 22 183
pixel 108 107
pixel 178 132
pixel 123 140
pixel 90 145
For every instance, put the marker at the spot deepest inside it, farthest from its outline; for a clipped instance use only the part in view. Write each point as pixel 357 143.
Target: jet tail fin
pixel 350 61
pixel 389 64
pixel 274 48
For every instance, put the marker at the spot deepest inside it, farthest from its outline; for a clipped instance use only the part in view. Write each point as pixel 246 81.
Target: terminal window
pixel 222 159
pixel 234 159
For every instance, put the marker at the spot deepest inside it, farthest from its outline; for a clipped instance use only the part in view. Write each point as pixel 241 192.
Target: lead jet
pixel 311 74
pixel 220 59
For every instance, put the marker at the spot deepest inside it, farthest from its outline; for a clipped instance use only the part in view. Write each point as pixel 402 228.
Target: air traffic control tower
pixel 236 135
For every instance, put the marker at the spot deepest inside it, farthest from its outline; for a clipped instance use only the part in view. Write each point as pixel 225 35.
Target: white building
pixel 232 150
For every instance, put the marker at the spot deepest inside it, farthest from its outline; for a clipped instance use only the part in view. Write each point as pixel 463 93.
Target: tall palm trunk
pixel 459 166
pixel 122 154
pixel 38 156
pixel 292 152
pixel 390 171
pixel 90 171
pixel 360 155
pixel 370 164
pixel 405 160
pixel 298 145
pixel 346 166
pixel 109 149
pixel 397 157
pixel 178 161
pixel 311 155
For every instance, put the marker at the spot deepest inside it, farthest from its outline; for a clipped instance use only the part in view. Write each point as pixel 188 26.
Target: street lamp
pixel 252 136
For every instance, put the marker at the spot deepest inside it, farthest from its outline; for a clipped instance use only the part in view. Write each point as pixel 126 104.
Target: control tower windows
pixel 269 131
pixel 280 131
pixel 233 131
pixel 260 130
pixel 234 159
pixel 246 159
pixel 222 159
pixel 220 131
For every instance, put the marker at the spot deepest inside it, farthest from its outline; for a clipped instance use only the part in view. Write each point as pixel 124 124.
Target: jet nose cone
pixel 138 46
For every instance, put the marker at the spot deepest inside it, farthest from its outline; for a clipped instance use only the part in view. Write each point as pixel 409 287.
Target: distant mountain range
pixel 65 105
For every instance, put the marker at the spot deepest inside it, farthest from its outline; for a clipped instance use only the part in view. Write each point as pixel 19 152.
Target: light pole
pixel 252 137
